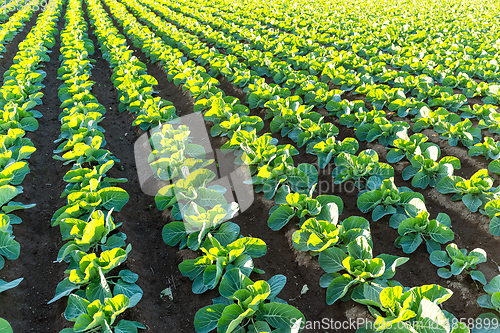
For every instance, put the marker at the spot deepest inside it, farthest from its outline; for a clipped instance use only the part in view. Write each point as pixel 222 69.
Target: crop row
pixel 19 95
pixel 93 246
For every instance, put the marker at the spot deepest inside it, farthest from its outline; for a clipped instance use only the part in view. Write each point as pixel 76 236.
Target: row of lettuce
pixel 301 179
pixel 227 261
pixel 19 95
pixel 93 245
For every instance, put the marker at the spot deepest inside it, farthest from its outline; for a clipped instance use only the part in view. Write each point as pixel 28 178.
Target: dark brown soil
pixel 156 263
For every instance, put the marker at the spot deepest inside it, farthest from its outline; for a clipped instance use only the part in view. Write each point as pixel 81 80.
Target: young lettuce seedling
pixel 206 271
pixel 383 197
pixel 415 226
pixel 324 207
pixel 316 236
pixel 362 166
pixel 492 299
pixel 459 261
pixel 475 192
pixel 360 267
pixel 398 309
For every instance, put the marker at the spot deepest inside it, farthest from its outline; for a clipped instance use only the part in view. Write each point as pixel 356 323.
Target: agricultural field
pixel 249 166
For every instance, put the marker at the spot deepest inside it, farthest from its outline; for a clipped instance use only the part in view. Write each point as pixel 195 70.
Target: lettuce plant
pixel 416 144
pixel 384 130
pixel 320 96
pixel 362 166
pixel 489 148
pixel 492 209
pixel 492 299
pixel 491 122
pixel 301 179
pixel 174 154
pixel 460 130
pixel 474 192
pixel 398 309
pixel 316 236
pixel 288 121
pixel 84 235
pixel 99 315
pixel 383 197
pixel 428 118
pixel 259 92
pixel 361 117
pixel 449 101
pixel 87 275
pixel 79 178
pixel 406 106
pixel 425 170
pixel 329 148
pixel 360 269
pixel 458 260
pixel 237 123
pixel 415 226
pixel 246 307
pixel 314 133
pixel 87 152
pixel 383 95
pixel 191 189
pixel 337 106
pixel 221 108
pixel 481 112
pixel 206 271
pixel 10 248
pixel 90 199
pixel 323 207
pixel 197 223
